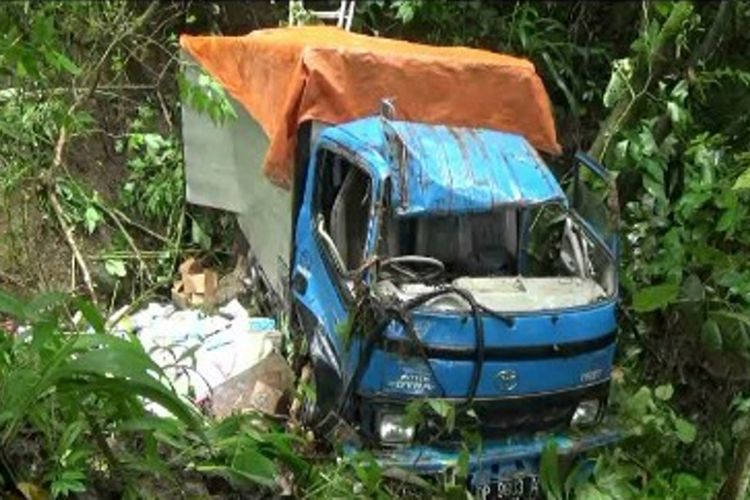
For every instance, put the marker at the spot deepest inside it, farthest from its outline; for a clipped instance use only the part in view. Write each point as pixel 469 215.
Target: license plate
pixel 511 488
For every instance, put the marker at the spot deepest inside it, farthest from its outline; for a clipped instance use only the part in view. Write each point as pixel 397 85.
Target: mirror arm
pixel 593 165
pixel 576 182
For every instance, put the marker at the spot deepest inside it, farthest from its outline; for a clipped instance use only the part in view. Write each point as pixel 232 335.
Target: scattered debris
pixel 8 325
pixel 228 361
pixel 196 287
pixel 264 387
pixel 235 283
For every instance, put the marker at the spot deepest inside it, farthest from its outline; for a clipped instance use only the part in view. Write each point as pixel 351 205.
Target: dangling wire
pixel 384 315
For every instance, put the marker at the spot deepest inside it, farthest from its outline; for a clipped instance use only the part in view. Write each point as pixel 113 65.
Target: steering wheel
pixel 413 267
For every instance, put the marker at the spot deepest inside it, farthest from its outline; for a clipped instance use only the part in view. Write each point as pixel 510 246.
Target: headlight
pixel 393 429
pixel 587 413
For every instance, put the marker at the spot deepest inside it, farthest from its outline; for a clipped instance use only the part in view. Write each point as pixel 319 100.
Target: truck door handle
pixel 299 282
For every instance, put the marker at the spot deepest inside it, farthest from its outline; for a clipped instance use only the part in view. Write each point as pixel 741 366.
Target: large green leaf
pixel 737 316
pixel 655 297
pixel 550 471
pixel 121 365
pixel 11 305
pixel 743 181
pixel 36 308
pixel 686 432
pixel 151 391
pixel 92 315
pixel 252 464
pixel 24 391
pixel 711 334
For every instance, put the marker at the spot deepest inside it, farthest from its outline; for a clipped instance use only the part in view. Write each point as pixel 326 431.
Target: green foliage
pixel 81 208
pixel 246 453
pixel 82 393
pixel 683 176
pixel 155 187
pixel 541 32
pixel 550 471
pixel 646 412
pixel 617 475
pixel 203 93
pixel 688 219
pixel 21 49
pixel 655 297
pixel 69 387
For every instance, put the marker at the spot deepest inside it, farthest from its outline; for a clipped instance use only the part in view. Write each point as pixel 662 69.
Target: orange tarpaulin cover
pixel 285 76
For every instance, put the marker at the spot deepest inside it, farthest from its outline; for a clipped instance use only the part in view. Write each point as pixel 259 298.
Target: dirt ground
pixel 34 255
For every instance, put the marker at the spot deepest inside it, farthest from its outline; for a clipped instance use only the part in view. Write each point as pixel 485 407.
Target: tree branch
pixel 735 486
pixel 132 27
pixel 648 67
pixel 68 233
pixel 57 161
pixel 710 43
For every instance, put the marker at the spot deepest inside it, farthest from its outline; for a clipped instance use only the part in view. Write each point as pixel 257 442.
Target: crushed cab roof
pixel 286 76
pixel 450 169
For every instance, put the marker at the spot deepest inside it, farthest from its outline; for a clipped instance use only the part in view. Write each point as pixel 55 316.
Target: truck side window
pixel 589 201
pixel 343 195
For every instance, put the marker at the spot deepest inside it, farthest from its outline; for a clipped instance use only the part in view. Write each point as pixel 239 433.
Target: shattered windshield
pixel 487 251
pixel 466 245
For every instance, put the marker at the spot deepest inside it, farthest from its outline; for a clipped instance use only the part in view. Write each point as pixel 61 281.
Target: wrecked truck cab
pixel 446 262
pixel 431 259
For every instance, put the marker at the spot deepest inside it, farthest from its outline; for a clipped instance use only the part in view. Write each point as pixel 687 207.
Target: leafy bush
pixel 155 186
pixel 75 411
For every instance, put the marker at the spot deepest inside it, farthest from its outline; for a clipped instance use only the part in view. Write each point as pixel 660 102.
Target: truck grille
pixel 498 419
pixel 497 424
pixel 494 423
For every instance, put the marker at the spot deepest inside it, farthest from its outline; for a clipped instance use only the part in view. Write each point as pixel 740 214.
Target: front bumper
pixel 495 453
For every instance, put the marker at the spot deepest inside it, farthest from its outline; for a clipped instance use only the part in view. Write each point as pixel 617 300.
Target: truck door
pixel 594 198
pixel 332 236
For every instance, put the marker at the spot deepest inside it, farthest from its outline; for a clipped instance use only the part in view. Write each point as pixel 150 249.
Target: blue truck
pixel 443 280
pixel 459 271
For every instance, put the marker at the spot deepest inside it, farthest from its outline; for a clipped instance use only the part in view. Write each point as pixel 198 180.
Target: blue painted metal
pixel 452 169
pixel 321 296
pixel 435 329
pixel 435 459
pixel 594 165
pixel 457 171
pixel 385 375
pixel 559 327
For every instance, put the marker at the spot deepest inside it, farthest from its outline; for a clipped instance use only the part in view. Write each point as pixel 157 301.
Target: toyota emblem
pixel 507 379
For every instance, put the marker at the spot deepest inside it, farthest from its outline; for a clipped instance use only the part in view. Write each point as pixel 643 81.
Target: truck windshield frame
pixel 341 218
pixel 590 283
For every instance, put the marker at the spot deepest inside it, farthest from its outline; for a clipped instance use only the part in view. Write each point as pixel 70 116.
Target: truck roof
pixel 286 76
pixel 449 169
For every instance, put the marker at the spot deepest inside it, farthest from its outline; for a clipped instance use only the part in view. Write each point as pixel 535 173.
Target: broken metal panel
pixel 586 324
pixel 461 170
pixel 451 169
